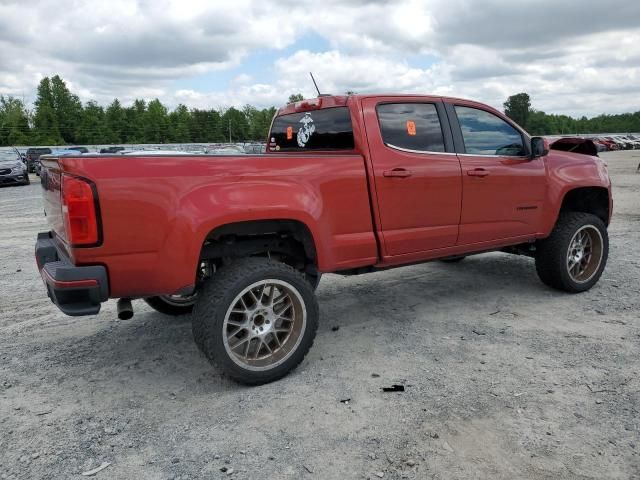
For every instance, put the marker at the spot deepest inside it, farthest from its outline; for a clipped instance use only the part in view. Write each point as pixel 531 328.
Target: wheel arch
pixel 594 200
pixel 254 237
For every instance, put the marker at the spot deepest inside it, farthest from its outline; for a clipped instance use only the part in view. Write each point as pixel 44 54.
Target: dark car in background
pixel 79 149
pixel 33 155
pixel 13 170
pixel 112 149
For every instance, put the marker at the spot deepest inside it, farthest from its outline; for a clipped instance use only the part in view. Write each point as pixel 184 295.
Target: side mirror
pixel 539 147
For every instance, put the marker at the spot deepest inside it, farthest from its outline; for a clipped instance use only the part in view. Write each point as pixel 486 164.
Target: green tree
pixel 115 123
pixel 67 108
pixel 295 97
pixel 539 123
pixel 14 122
pixel 206 126
pixel 517 107
pixel 179 125
pixel 135 122
pixel 45 120
pixel 156 123
pixel 259 121
pixel 92 128
pixel 235 125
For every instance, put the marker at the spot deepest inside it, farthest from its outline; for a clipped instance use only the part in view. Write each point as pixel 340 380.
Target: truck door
pixel 503 190
pixel 416 173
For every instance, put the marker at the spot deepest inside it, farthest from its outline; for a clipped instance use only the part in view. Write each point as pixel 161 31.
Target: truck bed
pixel 156 211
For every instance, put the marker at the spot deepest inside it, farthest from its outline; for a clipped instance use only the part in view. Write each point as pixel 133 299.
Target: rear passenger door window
pixel 487 134
pixel 411 126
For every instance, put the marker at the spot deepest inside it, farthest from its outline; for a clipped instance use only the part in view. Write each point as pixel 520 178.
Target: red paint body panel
pixel 507 202
pixel 156 211
pixel 422 211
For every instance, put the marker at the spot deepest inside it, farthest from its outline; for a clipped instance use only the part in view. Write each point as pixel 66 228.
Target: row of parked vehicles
pixel 32 156
pixel 616 142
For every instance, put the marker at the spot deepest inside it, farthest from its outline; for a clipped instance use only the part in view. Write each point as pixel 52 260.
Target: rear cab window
pixel 411 126
pixel 325 129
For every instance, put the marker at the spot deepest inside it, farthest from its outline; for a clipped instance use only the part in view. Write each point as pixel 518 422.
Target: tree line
pixel 60 118
pixel 536 122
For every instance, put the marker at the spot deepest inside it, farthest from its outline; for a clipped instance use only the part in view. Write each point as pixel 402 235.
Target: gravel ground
pixel 504 378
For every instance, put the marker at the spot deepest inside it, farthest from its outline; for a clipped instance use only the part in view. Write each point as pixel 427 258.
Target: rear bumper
pixel 74 290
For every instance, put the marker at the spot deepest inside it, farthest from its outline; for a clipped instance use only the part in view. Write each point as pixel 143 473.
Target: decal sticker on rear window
pixel 306 130
pixel 323 129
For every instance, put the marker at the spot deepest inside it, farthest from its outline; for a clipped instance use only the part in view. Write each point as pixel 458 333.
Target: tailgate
pixel 51 179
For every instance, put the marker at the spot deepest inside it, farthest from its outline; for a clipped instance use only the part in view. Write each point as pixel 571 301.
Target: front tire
pixel 573 257
pixel 255 319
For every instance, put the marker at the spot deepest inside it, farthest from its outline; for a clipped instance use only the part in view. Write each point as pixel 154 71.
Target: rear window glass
pixel 325 129
pixel 414 126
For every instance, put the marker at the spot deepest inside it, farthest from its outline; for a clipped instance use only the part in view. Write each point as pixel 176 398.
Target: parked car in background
pixel 632 141
pixel 600 146
pixel 610 145
pixel 226 150
pixel 13 171
pixel 33 154
pixel 58 152
pixel 255 148
pixel 622 144
pixel 79 149
pixel 111 149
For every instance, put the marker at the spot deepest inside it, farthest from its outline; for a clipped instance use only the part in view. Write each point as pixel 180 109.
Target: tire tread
pixel 211 304
pixel 551 252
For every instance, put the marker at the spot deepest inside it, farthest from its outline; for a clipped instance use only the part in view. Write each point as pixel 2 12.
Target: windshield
pixel 8 155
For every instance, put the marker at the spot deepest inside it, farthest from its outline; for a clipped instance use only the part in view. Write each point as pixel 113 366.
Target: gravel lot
pixel 504 378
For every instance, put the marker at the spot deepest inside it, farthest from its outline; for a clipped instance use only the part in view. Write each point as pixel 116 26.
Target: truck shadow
pixel 154 351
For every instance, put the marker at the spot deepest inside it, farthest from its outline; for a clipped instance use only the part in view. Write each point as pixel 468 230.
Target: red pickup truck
pixel 349 184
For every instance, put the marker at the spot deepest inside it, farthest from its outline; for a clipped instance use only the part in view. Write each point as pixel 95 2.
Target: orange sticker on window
pixel 289 133
pixel 411 127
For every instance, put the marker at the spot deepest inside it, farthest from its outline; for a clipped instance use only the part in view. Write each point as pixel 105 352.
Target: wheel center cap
pixel 261 323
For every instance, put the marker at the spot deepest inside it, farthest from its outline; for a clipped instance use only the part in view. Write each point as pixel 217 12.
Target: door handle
pixel 397 172
pixel 478 172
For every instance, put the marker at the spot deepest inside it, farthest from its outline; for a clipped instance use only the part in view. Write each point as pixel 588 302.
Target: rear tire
pixel 175 305
pixel 255 319
pixel 172 304
pixel 573 257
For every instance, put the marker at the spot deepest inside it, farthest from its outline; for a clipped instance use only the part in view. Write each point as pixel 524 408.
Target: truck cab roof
pixel 331 101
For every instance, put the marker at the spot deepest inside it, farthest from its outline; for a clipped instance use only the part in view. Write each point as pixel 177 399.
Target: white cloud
pixel 568 57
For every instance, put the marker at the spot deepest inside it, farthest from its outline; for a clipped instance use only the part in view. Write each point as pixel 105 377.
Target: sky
pixel 572 57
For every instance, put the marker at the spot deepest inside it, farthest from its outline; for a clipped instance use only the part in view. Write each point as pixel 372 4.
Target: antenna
pixel 315 84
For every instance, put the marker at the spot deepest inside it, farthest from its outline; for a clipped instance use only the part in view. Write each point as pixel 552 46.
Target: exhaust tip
pixel 125 309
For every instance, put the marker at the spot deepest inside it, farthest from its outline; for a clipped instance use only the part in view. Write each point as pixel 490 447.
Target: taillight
pixel 79 211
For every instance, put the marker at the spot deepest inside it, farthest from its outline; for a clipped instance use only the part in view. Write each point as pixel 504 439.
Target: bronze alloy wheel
pixel 264 324
pixel 584 254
